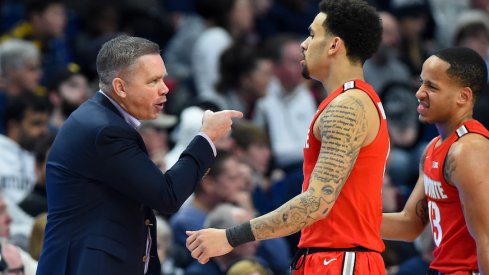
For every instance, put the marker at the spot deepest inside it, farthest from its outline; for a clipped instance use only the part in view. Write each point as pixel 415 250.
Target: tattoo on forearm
pixel 343 127
pixel 422 211
pixel 291 216
pixel 449 167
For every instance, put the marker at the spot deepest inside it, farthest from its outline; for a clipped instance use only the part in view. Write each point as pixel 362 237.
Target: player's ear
pixel 465 96
pixel 335 44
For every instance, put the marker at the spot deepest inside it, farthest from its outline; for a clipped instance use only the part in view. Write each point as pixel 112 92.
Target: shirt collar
pixel 134 122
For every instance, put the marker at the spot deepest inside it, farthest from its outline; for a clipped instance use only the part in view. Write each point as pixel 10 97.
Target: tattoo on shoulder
pixel 343 128
pixel 449 167
pixel 422 211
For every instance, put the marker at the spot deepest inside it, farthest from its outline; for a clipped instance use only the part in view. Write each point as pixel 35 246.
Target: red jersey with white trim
pixel 356 215
pixel 455 249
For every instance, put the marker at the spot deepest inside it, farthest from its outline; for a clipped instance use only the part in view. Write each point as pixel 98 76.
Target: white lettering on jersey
pixel 306 145
pixel 381 108
pixel 433 188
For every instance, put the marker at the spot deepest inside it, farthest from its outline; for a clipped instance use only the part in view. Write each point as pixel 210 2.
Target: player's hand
pixel 207 243
pixel 217 125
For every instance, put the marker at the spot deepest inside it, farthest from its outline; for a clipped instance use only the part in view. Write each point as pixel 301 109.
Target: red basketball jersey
pixel 356 216
pixel 455 249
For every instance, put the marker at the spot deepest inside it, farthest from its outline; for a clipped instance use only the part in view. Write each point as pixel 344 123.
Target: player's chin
pixel 424 119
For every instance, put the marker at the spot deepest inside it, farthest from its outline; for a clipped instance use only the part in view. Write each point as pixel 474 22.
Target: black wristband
pixel 240 234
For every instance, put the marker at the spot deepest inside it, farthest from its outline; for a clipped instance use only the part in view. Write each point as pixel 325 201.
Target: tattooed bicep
pixel 421 160
pixel 344 120
pixel 422 211
pixel 343 128
pixel 449 167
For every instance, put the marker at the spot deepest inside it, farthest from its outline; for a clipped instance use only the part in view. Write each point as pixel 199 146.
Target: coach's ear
pixel 118 87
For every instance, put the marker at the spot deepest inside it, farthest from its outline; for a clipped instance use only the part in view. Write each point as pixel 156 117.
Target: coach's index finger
pixel 233 113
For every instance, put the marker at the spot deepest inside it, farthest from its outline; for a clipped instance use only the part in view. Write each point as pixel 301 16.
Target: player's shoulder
pixel 352 98
pixel 471 143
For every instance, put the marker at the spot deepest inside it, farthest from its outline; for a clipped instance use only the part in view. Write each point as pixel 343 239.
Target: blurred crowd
pixel 220 54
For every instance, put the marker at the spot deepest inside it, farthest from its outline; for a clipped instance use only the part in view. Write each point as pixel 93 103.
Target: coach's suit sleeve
pixel 129 170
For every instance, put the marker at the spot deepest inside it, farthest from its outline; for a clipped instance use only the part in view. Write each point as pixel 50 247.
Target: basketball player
pixel 452 189
pixel 344 157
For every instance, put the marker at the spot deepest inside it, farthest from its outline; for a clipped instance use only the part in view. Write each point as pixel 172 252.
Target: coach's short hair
pixel 119 54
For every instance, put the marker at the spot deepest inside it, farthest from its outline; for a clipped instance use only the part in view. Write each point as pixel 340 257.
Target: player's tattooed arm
pixel 343 129
pixel 449 167
pixel 422 204
pixel 422 211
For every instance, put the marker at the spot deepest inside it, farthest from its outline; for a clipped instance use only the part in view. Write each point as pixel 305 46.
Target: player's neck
pixel 447 128
pixel 340 75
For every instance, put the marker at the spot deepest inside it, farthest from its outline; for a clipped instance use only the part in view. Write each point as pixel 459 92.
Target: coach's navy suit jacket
pixel 101 187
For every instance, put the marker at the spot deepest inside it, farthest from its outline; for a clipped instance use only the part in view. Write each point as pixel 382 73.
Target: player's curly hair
pixel 357 23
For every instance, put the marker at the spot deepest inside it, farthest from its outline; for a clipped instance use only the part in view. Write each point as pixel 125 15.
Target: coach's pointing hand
pixel 217 124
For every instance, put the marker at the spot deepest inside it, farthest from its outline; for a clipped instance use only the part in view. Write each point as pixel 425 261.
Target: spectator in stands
pixel 224 216
pixel 44 25
pixel 227 22
pixel 413 18
pixel 288 106
pixel 190 26
pixel 290 16
pixel 19 67
pixel 420 263
pixel 384 66
pixel 472 31
pixel 407 135
pixel 189 125
pixel 155 136
pixel 68 89
pixel 166 249
pixel 100 20
pixel 19 72
pixel 395 252
pixel 37 236
pixel 26 119
pixel 244 78
pixel 480 4
pixel 221 185
pixel 16 259
pixel 252 147
pixel 36 201
pixel 247 267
